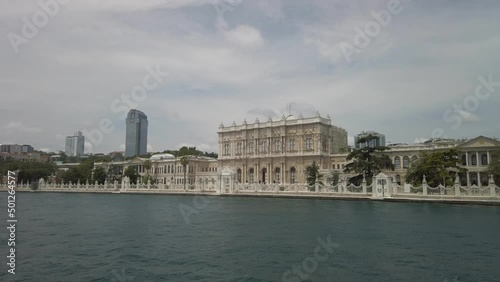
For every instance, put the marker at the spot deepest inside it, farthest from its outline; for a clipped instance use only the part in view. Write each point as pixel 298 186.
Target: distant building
pixel 16 149
pixel 379 142
pixel 137 133
pixel 75 145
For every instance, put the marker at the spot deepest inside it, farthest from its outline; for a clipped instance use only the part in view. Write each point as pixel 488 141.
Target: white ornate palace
pixel 278 151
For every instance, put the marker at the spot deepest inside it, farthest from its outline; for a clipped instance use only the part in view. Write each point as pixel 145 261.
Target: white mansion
pixel 278 151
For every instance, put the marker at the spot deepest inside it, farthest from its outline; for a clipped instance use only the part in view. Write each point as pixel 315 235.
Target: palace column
pixel 257 173
pixel 468 180
pixel 477 158
pixel 479 179
pixel 488 157
pixel 282 173
pixel 467 159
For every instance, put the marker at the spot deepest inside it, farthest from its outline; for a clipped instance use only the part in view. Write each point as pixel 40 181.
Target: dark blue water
pixel 85 237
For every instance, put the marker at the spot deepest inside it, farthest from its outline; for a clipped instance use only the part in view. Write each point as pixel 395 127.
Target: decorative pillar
pixel 115 185
pixel 105 184
pixel 492 186
pixel 364 184
pixel 69 185
pixel 468 180
pixel 424 186
pixel 96 185
pixel 457 186
pixel 467 159
pixel 488 157
pixel 479 179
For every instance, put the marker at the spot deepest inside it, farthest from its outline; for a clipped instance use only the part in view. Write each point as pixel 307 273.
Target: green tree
pixel 131 173
pixel 147 165
pixel 494 167
pixel 28 171
pixel 99 175
pixel 438 168
pixel 184 162
pixel 312 173
pixel 333 178
pixel 367 162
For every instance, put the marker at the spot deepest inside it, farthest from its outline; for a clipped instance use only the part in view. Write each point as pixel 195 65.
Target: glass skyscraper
pixel 137 133
pixel 75 145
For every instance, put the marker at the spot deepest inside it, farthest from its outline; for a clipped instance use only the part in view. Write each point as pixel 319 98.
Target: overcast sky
pixel 234 60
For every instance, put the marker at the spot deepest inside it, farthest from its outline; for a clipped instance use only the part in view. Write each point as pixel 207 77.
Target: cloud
pixel 20 126
pixel 269 55
pixel 245 35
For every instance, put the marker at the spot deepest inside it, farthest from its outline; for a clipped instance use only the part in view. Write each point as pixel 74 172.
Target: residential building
pixel 378 142
pixel 75 145
pixel 14 148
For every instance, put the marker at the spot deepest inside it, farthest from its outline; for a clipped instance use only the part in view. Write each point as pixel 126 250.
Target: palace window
pixel 293 175
pixel 251 175
pixel 277 175
pixel 484 159
pixel 277 146
pixel 250 147
pixel 397 162
pixel 263 146
pixel 474 160
pixel 406 162
pixel 309 143
pixel 239 149
pixel 227 149
pixel 292 144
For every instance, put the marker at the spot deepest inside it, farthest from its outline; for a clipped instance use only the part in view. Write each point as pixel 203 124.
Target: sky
pixel 408 69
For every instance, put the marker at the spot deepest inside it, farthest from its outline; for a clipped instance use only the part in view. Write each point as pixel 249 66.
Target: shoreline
pixel 489 201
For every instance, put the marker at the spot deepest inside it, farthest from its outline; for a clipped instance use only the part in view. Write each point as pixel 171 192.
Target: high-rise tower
pixel 137 133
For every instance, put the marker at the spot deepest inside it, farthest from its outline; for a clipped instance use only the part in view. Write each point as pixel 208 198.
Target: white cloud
pixel 20 126
pixel 245 35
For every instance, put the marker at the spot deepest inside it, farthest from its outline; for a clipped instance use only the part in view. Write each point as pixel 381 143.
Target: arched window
pixel 464 160
pixel 484 159
pixel 251 175
pixel 293 175
pixel 474 159
pixel 238 175
pixel 406 162
pixel 397 162
pixel 277 175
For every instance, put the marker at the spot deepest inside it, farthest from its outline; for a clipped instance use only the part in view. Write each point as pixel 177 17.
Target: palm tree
pixel 147 165
pixel 184 163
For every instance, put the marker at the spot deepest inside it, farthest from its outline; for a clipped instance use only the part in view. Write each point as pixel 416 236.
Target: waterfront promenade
pixel 384 190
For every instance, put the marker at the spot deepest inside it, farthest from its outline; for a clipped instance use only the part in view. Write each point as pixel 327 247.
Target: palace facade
pixel 278 151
